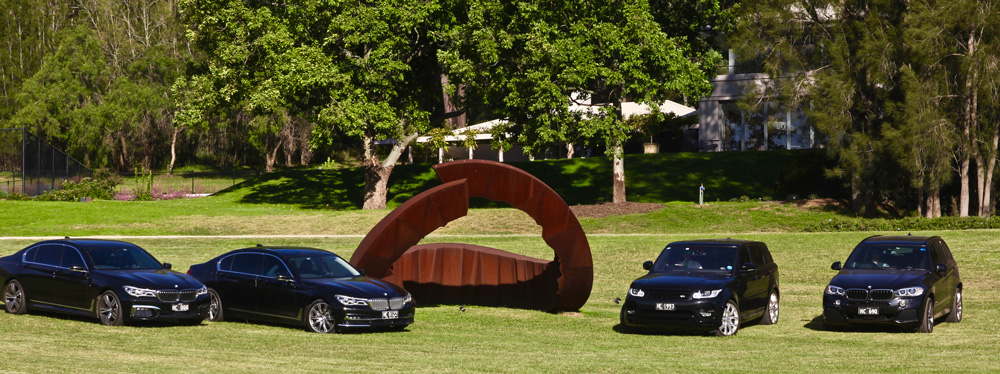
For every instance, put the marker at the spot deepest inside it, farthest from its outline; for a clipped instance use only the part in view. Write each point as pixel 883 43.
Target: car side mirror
pixel 940 267
pixel 284 278
pixel 835 266
pixel 167 265
pixel 78 269
pixel 748 267
pixel 362 271
pixel 647 265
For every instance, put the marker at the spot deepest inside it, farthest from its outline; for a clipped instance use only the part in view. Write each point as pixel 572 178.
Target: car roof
pixel 284 251
pixel 904 239
pixel 83 242
pixel 723 242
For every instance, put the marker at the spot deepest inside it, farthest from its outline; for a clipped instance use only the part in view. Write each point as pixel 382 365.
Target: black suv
pixel 905 281
pixel 705 285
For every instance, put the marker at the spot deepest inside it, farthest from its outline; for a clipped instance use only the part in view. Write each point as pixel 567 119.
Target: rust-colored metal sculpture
pixel 453 273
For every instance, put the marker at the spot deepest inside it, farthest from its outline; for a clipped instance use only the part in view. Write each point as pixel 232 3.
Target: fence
pixel 31 166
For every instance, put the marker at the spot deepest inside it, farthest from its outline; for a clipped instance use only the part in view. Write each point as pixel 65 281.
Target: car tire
pixel 956 307
pixel 109 309
pixel 214 307
pixel 771 312
pixel 927 318
pixel 14 300
pixel 730 320
pixel 319 317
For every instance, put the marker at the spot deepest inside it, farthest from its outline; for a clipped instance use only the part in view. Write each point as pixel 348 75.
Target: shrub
pixel 103 188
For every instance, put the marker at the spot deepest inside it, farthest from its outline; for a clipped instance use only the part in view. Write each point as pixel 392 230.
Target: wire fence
pixel 31 166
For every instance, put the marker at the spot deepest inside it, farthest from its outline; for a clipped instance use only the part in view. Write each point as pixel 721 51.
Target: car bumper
pixel 903 312
pixel 146 310
pixel 359 318
pixel 700 315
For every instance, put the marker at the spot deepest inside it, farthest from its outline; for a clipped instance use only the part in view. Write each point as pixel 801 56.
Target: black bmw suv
pixel 706 286
pixel 905 281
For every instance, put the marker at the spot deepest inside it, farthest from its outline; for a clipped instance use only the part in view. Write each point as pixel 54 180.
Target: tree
pixel 840 61
pixel 365 69
pixel 532 61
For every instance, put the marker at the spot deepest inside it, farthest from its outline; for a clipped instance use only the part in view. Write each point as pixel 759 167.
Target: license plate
pixel 665 306
pixel 390 314
pixel 179 307
pixel 868 311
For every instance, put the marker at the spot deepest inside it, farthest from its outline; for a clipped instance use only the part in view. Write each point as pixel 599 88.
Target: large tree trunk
pixel 173 151
pixel 377 173
pixel 271 156
pixel 963 194
pixel 971 122
pixel 569 150
pixel 618 172
pixel 985 164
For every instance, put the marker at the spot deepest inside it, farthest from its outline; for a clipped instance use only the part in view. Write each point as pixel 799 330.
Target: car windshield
pixel 888 257
pixel 696 259
pixel 323 266
pixel 122 257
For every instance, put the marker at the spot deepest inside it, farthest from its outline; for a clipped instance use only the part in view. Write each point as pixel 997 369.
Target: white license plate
pixel 867 311
pixel 179 307
pixel 665 306
pixel 390 314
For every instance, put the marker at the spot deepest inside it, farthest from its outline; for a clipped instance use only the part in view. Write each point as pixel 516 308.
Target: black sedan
pixel 705 285
pixel 112 280
pixel 304 286
pixel 904 281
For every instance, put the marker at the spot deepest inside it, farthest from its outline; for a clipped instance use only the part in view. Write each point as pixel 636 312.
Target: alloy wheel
pixel 320 318
pixel 13 298
pixel 772 309
pixel 214 307
pixel 730 320
pixel 109 309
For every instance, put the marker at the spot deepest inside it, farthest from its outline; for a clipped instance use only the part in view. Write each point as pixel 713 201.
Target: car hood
pixel 153 279
pixel 877 279
pixel 361 286
pixel 686 281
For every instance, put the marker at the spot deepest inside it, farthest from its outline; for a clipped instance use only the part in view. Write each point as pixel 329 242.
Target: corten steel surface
pixel 485 276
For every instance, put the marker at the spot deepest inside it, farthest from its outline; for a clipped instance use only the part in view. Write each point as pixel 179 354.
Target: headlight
pixel 140 292
pixel 636 292
pixel 705 294
pixel 909 291
pixel 834 290
pixel 351 301
pixel 202 291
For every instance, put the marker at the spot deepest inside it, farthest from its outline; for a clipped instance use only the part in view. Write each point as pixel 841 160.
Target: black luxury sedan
pixel 705 285
pixel 905 281
pixel 304 286
pixel 112 280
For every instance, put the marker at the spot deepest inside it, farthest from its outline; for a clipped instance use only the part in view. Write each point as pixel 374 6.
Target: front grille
pixel 396 303
pixel 881 294
pixel 860 294
pixel 667 295
pixel 378 304
pixel 857 294
pixel 173 296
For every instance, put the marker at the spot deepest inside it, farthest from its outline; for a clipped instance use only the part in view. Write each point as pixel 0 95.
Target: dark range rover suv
pixel 112 280
pixel 905 281
pixel 705 285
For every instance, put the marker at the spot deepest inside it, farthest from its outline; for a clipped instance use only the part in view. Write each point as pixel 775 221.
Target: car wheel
pixel 730 320
pixel 771 314
pixel 319 317
pixel 214 306
pixel 956 307
pixel 14 301
pixel 927 320
pixel 109 309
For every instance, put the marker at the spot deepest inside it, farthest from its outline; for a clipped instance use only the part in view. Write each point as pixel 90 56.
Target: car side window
pixel 49 255
pixel 246 263
pixel 935 254
pixel 71 257
pixel 766 255
pixel 29 255
pixel 226 264
pixel 273 266
pixel 946 252
pixel 745 256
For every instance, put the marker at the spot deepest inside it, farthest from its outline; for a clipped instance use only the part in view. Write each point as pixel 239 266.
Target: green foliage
pixel 144 184
pixel 329 164
pixel 101 186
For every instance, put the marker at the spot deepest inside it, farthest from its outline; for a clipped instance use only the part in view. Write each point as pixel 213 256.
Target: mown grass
pixel 485 339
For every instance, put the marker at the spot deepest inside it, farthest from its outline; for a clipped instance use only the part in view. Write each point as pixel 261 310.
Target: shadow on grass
pixel 94 320
pixel 816 324
pixel 300 327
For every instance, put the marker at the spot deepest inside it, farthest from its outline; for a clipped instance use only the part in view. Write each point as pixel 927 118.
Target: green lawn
pixel 508 340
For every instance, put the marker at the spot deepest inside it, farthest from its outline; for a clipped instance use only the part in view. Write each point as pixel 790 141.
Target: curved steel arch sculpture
pixel 461 273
